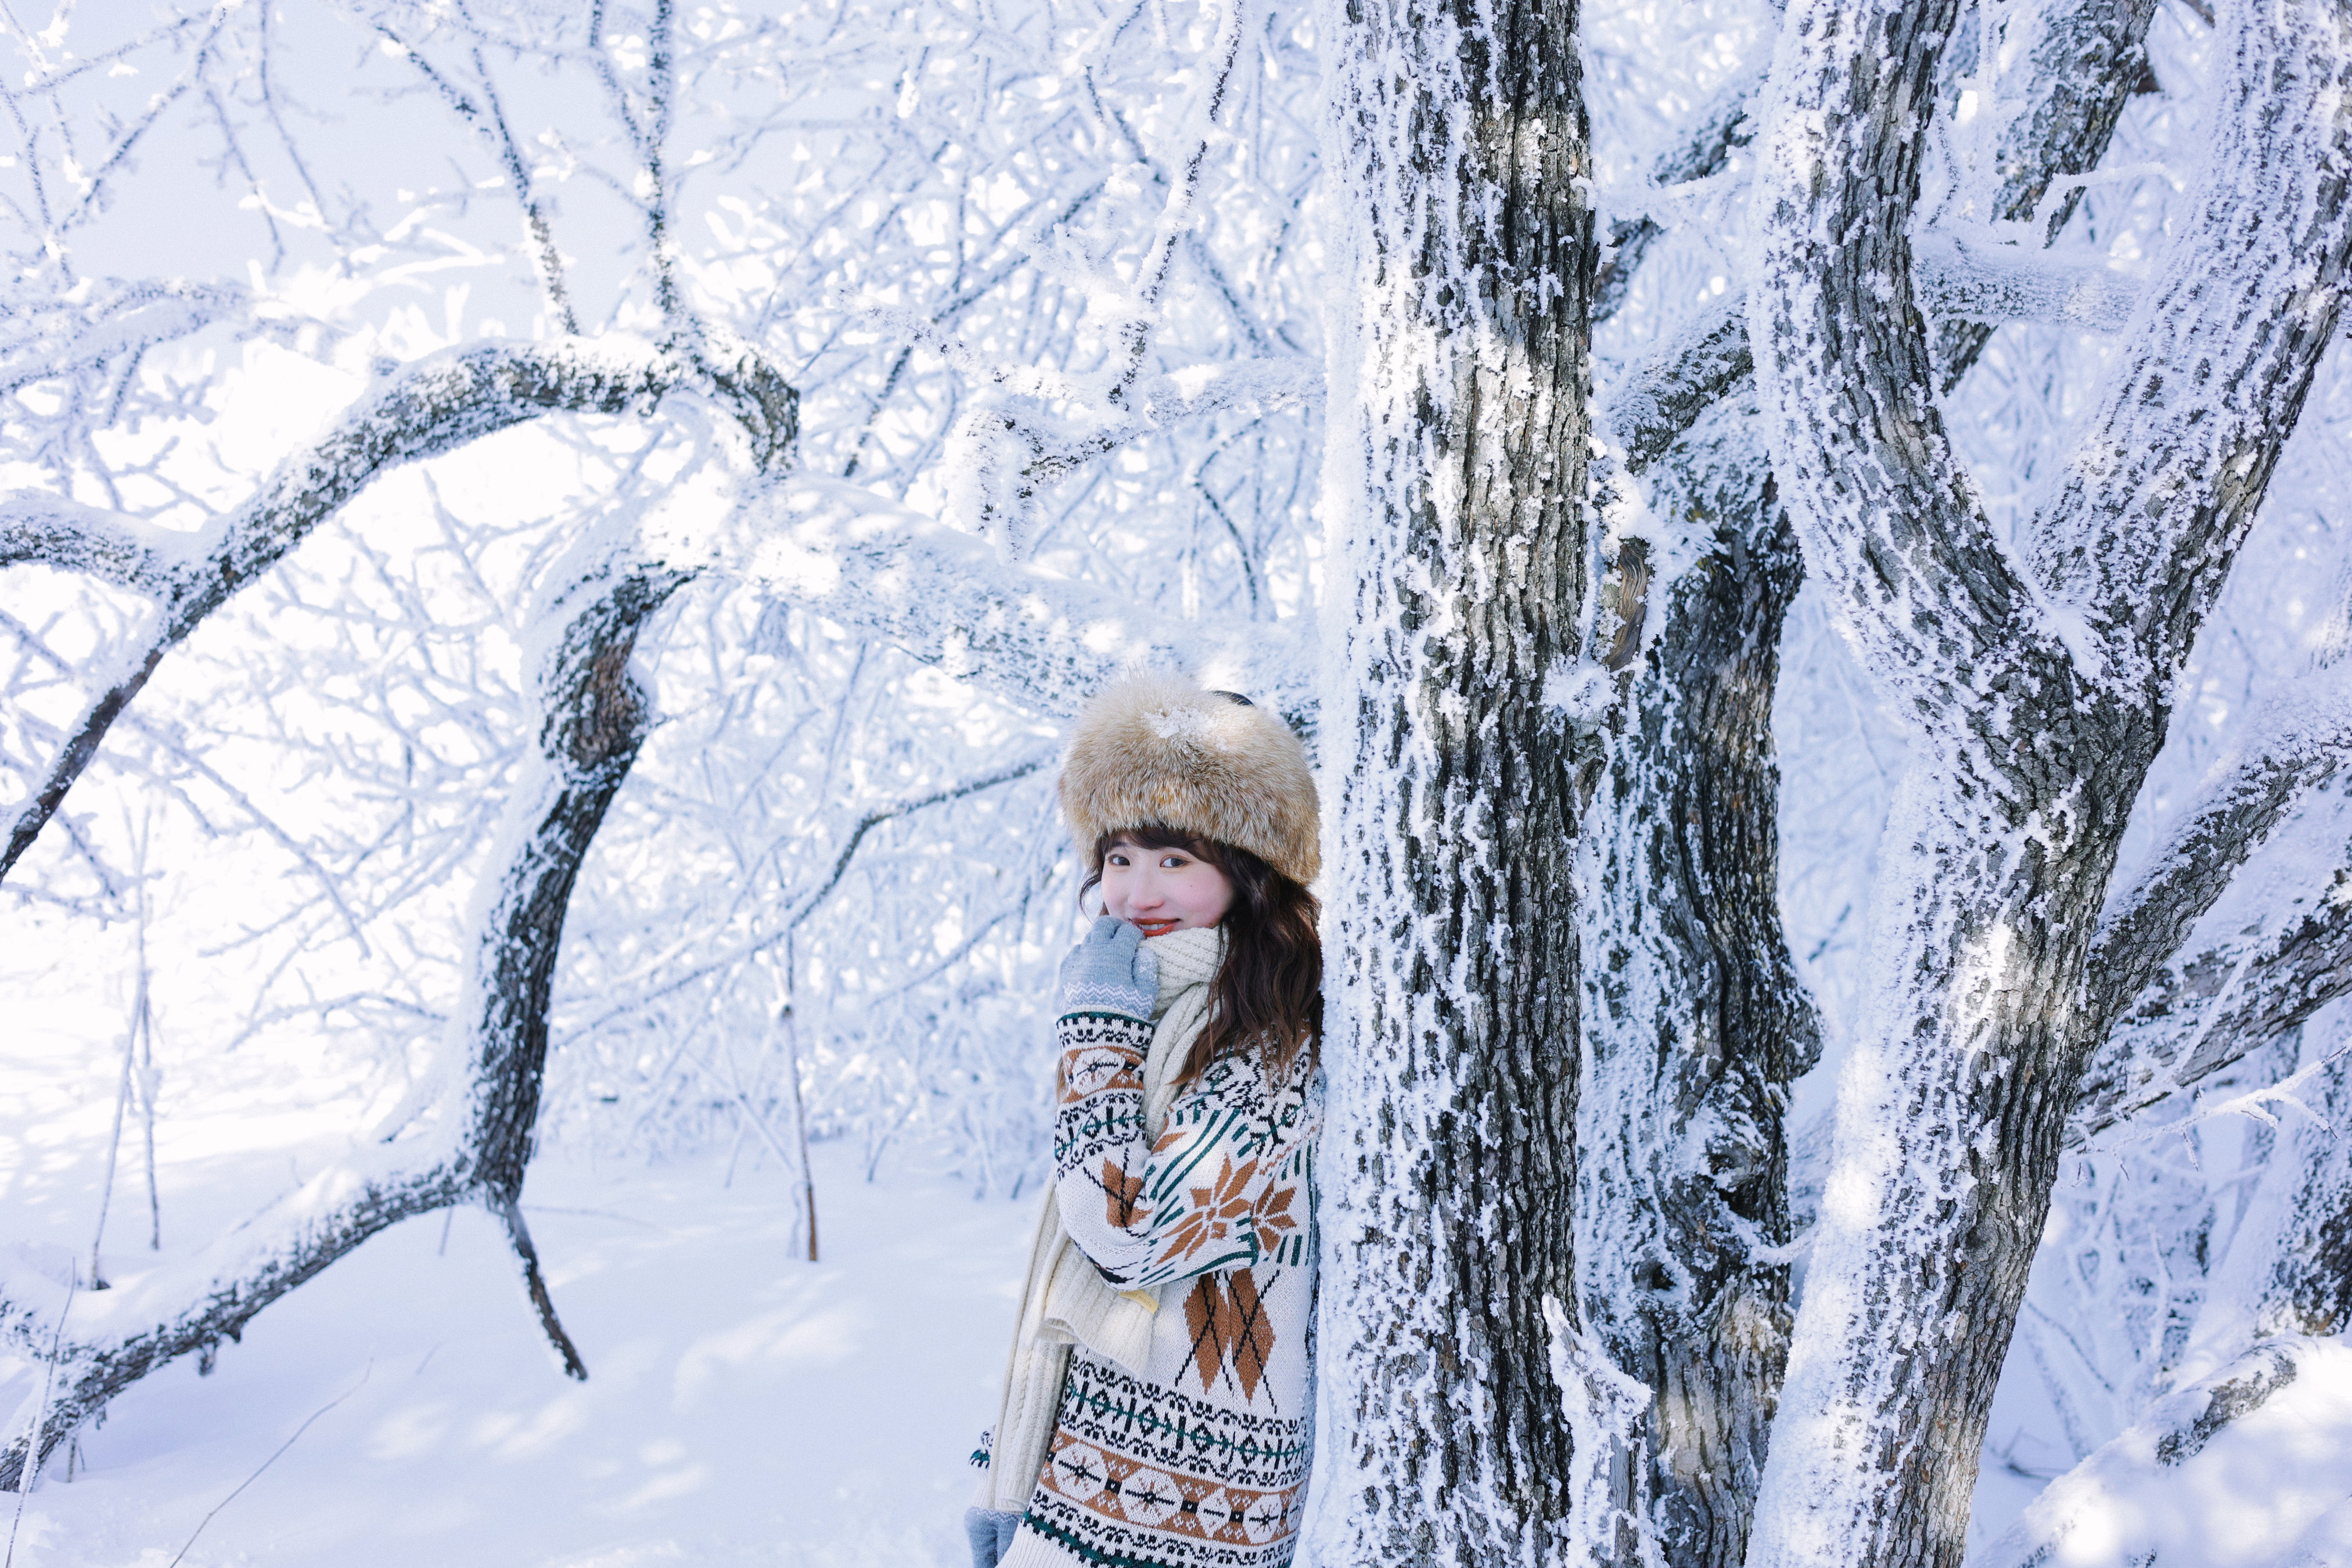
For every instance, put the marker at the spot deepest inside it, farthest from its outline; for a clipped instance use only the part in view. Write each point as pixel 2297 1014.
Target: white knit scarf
pixel 1066 1300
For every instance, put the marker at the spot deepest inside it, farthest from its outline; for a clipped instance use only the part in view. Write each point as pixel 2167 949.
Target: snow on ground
pixel 742 1407
pixel 2273 1487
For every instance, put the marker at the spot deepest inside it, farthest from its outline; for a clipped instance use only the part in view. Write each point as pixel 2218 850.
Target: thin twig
pixel 32 1465
pixel 272 1459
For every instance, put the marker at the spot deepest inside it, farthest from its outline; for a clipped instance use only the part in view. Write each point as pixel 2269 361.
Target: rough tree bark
pixel 1460 373
pixel 2039 694
pixel 1694 1021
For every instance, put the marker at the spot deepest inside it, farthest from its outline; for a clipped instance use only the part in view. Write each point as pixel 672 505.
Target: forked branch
pixel 441 404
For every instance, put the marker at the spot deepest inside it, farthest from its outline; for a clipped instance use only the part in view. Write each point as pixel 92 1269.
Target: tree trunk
pixel 1695 1023
pixel 1460 378
pixel 2037 723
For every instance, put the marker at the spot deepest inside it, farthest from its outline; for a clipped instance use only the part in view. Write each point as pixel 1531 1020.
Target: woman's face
pixel 1160 891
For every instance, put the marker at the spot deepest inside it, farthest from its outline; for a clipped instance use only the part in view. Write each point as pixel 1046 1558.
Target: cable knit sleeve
pixel 1227 1184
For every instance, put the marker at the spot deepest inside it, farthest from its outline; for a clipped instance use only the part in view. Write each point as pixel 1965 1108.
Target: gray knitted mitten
pixel 1110 972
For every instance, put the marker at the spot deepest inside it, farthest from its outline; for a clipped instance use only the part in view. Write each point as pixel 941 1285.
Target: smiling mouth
pixel 1155 928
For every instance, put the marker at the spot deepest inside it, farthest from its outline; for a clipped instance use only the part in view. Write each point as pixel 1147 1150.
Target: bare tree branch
pixel 1663 395
pixel 1726 125
pixel 488 119
pixel 951 599
pixel 2199 1016
pixel 2088 58
pixel 443 404
pixel 2302 741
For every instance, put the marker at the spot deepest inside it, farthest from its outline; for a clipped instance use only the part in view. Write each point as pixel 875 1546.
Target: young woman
pixel 1156 1409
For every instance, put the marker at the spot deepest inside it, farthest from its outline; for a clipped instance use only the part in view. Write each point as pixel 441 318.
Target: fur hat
pixel 1157 748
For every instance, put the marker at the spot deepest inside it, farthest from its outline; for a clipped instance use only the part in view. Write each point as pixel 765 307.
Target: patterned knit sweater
pixel 1198 1457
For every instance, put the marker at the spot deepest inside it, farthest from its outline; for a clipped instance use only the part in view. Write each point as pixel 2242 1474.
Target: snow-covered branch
pixel 2269 1421
pixel 488 119
pixel 2084 62
pixel 115 1338
pixel 478 1111
pixel 1962 278
pixel 2151 503
pixel 654 979
pixel 952 600
pixel 123 552
pixel 1665 394
pixel 2200 1015
pixel 1726 125
pixel 2302 740
pixel 439 405
pixel 1049 444
pixel 1888 516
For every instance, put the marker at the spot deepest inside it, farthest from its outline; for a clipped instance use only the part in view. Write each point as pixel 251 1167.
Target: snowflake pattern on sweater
pixel 1199 1457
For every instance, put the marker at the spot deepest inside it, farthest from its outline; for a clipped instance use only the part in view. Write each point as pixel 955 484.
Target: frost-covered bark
pixel 1455 479
pixel 2039 694
pixel 2086 60
pixel 473 1124
pixel 1694 1021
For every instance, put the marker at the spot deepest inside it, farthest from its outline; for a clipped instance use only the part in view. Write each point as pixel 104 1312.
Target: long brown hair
pixel 1269 989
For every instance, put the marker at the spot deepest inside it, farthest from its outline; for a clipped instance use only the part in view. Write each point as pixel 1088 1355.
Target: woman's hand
pixel 1110 972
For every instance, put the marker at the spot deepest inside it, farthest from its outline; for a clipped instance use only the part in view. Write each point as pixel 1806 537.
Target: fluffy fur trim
pixel 1157 748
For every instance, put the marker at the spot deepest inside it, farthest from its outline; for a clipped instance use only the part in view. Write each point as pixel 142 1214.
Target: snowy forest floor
pixel 742 1406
